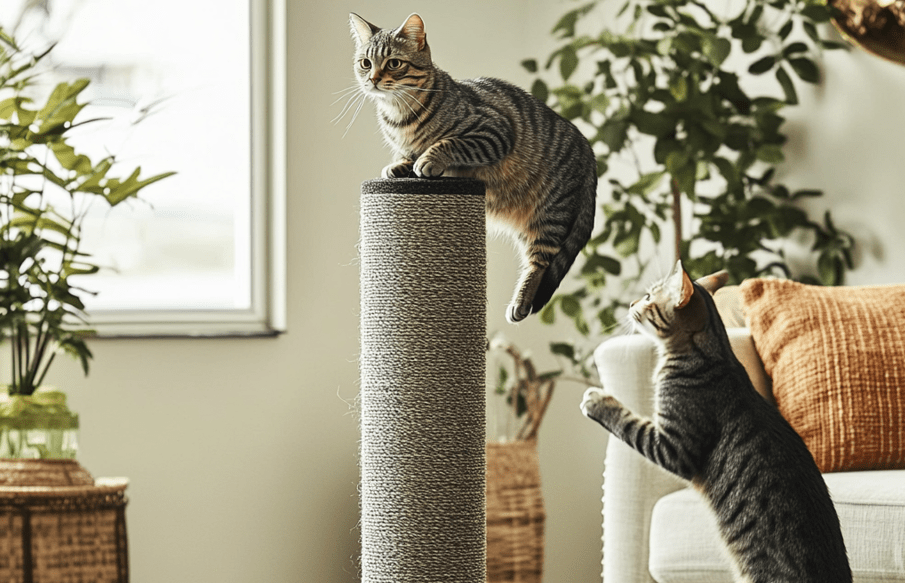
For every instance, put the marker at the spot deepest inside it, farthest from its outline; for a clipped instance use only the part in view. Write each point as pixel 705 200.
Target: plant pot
pixel 515 513
pixel 38 426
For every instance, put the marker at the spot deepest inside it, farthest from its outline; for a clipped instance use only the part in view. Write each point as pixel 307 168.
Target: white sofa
pixel 656 529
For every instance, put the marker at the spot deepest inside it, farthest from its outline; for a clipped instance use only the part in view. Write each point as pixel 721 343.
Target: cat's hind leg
pixel 538 254
pixel 520 306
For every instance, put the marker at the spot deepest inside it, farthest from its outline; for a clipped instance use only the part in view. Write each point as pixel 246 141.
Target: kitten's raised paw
pixel 593 398
pixel 398 170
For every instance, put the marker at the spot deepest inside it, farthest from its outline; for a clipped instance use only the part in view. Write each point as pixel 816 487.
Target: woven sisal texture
pixel 515 513
pixel 837 359
pixel 423 335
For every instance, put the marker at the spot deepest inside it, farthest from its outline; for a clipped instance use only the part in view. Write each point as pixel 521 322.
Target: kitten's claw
pixel 593 397
pixel 515 314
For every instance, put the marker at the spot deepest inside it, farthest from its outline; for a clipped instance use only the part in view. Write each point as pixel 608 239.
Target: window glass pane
pixel 181 68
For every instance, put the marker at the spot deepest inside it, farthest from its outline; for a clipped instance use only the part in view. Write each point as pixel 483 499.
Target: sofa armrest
pixel 632 485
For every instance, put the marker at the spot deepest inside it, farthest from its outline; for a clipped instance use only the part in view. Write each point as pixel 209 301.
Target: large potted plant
pixel 46 188
pixel 683 102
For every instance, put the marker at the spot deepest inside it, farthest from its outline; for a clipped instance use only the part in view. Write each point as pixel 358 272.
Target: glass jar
pixel 37 426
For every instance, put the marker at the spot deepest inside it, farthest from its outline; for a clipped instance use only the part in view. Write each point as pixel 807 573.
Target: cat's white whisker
pixel 355 115
pixel 350 102
pixel 346 93
pixel 401 97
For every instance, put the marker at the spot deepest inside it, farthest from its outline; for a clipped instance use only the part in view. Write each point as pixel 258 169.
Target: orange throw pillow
pixel 837 359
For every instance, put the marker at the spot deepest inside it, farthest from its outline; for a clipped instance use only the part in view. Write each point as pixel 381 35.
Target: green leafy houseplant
pixel 46 189
pixel 678 133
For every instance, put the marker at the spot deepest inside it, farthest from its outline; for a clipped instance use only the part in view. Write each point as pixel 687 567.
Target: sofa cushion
pixel 836 358
pixel 685 546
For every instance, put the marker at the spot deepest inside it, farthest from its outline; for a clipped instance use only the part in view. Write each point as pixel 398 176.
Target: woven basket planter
pixel 515 513
pixel 59 525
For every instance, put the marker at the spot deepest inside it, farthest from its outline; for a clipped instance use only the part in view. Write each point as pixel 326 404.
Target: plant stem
pixel 677 216
pixel 46 368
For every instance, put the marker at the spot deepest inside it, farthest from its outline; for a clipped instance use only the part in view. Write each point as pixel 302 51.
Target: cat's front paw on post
pixel 429 167
pixel 398 169
pixel 594 399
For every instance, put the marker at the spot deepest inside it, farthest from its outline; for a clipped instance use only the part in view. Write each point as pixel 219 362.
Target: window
pixel 203 252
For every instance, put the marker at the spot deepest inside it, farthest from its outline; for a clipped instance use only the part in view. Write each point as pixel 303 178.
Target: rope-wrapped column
pixel 423 335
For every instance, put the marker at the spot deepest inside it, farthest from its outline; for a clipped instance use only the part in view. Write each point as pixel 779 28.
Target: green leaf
pixel 599 102
pixel 796 47
pixel 834 45
pixel 786 30
pixel 502 379
pixel 717 50
pixel 596 263
pixel 653 124
pixel 548 313
pixel 68 159
pixel 787 86
pixel 678 88
pixel 530 65
pixel 806 193
pixel 120 191
pixel 806 69
pixel 563 349
pixel 676 161
pixel 614 133
pixel 568 62
pixel 540 91
pixel 647 183
pixel 770 153
pixel 566 24
pixel 762 65
pixel 816 12
pixel 570 306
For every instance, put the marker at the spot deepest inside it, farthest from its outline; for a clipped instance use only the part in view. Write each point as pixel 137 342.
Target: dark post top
pixel 425 186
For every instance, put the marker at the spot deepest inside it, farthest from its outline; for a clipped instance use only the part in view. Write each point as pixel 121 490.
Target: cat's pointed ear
pixel 714 281
pixel 683 285
pixel 413 29
pixel 362 30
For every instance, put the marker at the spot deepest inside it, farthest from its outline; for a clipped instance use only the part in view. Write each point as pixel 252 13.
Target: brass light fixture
pixel 877 26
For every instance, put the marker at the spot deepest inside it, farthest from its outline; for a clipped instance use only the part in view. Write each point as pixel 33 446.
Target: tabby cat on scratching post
pixel 539 170
pixel 712 428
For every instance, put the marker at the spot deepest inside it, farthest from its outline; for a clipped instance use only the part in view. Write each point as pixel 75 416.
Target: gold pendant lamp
pixel 877 26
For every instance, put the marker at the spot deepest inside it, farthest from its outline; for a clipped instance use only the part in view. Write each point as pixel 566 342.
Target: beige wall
pixel 243 453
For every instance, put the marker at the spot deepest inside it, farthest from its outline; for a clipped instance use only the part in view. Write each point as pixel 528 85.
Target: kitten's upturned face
pixel 390 63
pixel 668 306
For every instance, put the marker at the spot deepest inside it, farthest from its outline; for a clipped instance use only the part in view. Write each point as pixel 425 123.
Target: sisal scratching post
pixel 423 335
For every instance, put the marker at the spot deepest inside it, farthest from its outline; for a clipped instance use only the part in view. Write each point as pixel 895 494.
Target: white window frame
pixel 267 314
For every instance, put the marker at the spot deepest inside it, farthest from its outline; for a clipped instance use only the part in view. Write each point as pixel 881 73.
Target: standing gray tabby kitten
pixel 539 171
pixel 712 428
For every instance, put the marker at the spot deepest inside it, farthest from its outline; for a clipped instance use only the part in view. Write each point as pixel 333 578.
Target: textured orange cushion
pixel 837 359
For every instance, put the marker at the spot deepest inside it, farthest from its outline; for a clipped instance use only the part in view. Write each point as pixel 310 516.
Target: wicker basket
pixel 59 525
pixel 515 513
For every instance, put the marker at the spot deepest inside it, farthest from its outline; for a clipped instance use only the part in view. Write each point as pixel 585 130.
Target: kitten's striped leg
pixel 640 433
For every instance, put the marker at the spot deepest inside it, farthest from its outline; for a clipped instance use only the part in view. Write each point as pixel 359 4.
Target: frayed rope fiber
pixel 423 335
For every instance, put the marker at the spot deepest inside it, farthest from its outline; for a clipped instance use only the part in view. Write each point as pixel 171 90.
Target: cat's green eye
pixel 365 63
pixel 394 64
